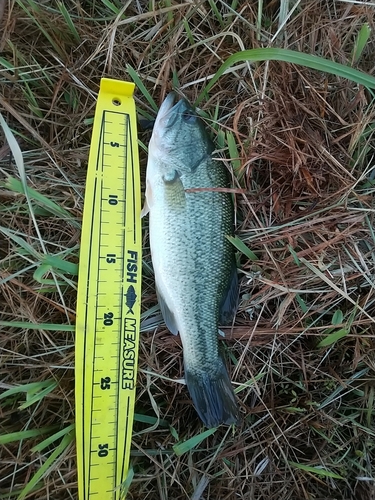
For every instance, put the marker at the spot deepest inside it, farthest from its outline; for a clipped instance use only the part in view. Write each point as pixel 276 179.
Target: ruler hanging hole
pixel 116 101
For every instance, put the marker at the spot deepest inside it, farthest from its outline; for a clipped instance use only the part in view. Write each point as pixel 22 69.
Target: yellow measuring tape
pixel 109 295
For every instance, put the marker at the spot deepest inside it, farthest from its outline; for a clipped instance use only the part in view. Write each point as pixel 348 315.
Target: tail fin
pixel 212 394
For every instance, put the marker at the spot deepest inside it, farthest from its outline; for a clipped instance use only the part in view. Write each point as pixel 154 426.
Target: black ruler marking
pixel 89 263
pixel 84 472
pixel 133 175
pixel 100 154
pixel 125 166
pixel 126 435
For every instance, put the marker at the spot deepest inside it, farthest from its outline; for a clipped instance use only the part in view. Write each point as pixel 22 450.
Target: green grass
pixel 294 57
pixel 286 91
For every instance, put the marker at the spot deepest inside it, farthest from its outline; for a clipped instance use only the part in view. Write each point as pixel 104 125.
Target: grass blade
pixel 334 337
pixel 69 21
pixel 32 398
pixel 293 57
pixel 16 186
pixel 316 470
pixel 324 278
pixel 234 155
pixel 34 391
pixel 38 326
pixel 16 491
pixel 48 465
pixel 189 444
pixel 338 317
pixel 126 484
pixel 20 435
pixel 28 249
pixel 240 245
pixel 51 439
pixel 138 82
pixel 360 43
pixel 216 12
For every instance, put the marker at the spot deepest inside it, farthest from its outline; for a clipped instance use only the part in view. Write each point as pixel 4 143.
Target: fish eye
pixel 189 116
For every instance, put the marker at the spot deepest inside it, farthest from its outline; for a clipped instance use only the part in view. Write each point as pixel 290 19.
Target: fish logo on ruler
pixel 131 297
pixel 108 300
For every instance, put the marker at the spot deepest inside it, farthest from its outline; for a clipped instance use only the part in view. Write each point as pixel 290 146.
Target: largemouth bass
pixel 195 272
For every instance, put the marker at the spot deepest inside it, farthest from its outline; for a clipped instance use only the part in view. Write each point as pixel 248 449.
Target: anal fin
pixel 229 303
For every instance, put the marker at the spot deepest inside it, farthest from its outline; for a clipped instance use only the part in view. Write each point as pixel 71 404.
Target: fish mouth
pixel 170 110
pixel 167 105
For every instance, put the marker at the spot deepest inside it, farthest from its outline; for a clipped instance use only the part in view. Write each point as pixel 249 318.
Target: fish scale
pixel 202 274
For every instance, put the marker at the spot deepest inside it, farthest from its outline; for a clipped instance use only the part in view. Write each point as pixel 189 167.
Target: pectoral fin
pixel 145 210
pixel 148 200
pixel 229 304
pixel 168 315
pixel 174 189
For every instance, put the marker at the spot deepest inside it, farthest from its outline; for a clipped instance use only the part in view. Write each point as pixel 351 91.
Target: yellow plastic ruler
pixel 109 293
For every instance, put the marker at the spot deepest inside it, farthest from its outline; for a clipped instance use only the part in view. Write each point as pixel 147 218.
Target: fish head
pixel 179 136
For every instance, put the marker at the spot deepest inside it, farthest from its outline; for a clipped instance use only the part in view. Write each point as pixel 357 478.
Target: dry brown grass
pixel 305 142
